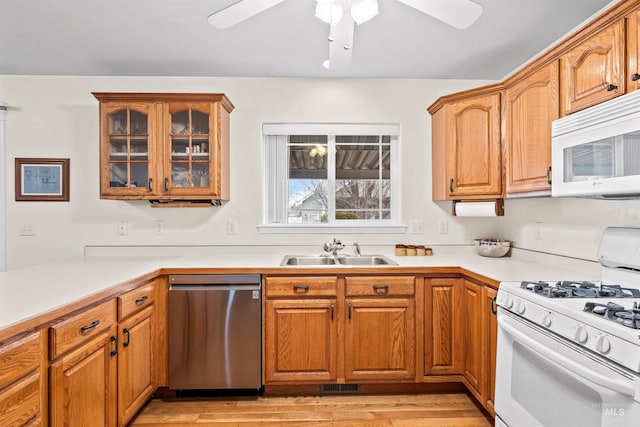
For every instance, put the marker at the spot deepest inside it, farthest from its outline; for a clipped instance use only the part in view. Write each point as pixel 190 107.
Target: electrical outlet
pixel 443 226
pixel 232 226
pixel 417 227
pixel 123 227
pixel 27 229
pixel 158 227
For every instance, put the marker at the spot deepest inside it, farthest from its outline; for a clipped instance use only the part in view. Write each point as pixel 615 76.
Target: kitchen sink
pixel 377 260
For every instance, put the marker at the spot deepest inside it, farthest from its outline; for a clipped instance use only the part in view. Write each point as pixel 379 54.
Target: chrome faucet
pixel 357 246
pixel 333 247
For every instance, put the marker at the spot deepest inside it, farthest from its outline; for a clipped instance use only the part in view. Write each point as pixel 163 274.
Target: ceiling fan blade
pixel 339 57
pixel 457 13
pixel 238 12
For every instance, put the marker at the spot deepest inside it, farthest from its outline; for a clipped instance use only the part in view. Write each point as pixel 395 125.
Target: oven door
pixel 543 380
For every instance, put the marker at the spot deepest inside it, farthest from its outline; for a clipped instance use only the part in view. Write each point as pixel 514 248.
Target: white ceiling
pixel 173 38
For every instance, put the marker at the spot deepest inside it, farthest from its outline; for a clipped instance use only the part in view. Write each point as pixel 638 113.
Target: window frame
pixel 391 225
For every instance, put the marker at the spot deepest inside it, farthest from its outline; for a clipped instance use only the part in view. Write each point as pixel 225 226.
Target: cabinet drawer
pixel 21 403
pixel 81 327
pixel 380 286
pixel 135 300
pixel 19 359
pixel 301 286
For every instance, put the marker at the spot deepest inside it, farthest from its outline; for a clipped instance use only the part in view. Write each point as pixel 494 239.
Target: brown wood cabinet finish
pixel 23 381
pixel 490 347
pixel 164 146
pixel 83 384
pixel 593 71
pixel 466 139
pixel 474 370
pixel 300 340
pixel 444 333
pixel 531 104
pixel 633 51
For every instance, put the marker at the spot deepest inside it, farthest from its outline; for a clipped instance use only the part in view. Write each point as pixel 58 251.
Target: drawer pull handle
pixel 92 325
pixel 303 288
pixel 383 288
pixel 610 87
pixel 549 175
pixel 332 310
pixel 635 77
pixel 451 185
pixel 166 184
pixel 142 299
pixel 127 335
pixel 349 311
pixel 150 186
pixel 494 309
pixel 114 341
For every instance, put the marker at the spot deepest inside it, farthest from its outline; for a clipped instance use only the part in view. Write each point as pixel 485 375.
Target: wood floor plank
pixel 398 410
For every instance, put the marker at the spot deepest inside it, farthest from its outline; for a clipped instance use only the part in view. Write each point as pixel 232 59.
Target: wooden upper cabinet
pixel 633 51
pixel 531 104
pixel 593 71
pixel 473 159
pixel 159 146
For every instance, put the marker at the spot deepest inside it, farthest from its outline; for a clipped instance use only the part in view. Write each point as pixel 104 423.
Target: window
pixel 330 175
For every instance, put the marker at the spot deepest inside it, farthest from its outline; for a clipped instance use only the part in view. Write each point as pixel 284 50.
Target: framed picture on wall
pixel 43 180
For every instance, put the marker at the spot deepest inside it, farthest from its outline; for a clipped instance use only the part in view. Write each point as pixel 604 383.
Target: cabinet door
pixel 83 385
pixel 135 363
pixel 444 333
pixel 128 150
pixel 474 330
pixel 473 154
pixel 633 51
pixel 192 161
pixel 531 106
pixel 593 71
pixel 300 340
pixel 380 339
pixel 491 334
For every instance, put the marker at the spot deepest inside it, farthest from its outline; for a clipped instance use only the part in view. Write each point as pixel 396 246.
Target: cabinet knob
pixel 635 77
pixel 610 87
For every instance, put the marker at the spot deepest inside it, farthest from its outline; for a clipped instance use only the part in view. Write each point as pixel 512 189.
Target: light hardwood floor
pixel 415 410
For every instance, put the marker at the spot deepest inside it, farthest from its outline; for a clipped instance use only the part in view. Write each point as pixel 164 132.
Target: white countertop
pixel 31 291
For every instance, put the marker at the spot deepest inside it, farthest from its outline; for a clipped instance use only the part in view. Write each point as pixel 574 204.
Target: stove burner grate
pixel 579 289
pixel 629 317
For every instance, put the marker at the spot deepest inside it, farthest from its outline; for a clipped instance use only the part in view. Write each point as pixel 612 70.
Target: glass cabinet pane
pixel 128 149
pixel 190 158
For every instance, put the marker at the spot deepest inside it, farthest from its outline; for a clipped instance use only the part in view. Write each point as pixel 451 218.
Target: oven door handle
pixel 620 387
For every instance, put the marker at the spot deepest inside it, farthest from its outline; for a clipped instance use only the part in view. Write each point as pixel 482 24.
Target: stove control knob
pixel 508 301
pixel 521 307
pixel 582 335
pixel 546 320
pixel 604 345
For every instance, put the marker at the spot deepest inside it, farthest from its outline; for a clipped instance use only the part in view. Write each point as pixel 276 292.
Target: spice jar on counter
pixel 411 250
pixel 401 250
pixel 420 250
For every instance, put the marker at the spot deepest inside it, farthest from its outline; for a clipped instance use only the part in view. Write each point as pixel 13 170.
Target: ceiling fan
pixel 343 15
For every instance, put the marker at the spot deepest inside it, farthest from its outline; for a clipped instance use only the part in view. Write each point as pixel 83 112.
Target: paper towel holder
pixel 499 205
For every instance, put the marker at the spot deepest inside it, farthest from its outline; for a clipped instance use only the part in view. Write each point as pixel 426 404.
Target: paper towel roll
pixel 483 209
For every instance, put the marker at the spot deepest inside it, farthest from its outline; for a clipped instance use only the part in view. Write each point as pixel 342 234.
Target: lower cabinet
pixel 23 381
pixel 330 329
pixel 380 328
pixel 300 329
pixel 481 337
pixel 136 382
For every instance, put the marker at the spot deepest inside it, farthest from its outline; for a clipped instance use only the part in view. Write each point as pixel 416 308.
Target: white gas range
pixel 569 352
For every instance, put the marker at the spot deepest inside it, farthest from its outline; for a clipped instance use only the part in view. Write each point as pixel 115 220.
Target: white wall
pixel 58 117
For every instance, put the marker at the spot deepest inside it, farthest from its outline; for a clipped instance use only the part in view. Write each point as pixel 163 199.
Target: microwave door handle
pixel 566 363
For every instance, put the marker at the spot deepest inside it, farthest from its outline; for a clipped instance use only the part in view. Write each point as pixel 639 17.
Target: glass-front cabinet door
pixel 129 149
pixel 188 167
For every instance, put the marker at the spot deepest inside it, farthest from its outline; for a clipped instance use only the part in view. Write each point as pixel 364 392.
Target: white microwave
pixel 596 152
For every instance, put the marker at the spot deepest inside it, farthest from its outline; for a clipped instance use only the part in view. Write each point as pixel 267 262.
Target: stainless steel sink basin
pixel 374 260
pixel 308 260
pixel 365 260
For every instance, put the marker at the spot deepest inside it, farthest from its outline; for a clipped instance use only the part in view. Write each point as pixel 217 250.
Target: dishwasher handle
pixel 214 287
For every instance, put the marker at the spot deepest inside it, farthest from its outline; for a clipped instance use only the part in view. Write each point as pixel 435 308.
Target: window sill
pixel 324 229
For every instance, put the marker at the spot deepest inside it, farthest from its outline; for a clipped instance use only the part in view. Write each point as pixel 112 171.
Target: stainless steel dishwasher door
pixel 214 332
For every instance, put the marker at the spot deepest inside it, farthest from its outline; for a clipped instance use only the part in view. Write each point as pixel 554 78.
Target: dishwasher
pixel 215 332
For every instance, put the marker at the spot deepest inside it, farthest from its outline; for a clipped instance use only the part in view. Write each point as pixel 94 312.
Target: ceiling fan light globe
pixel 326 64
pixel 331 13
pixel 364 10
